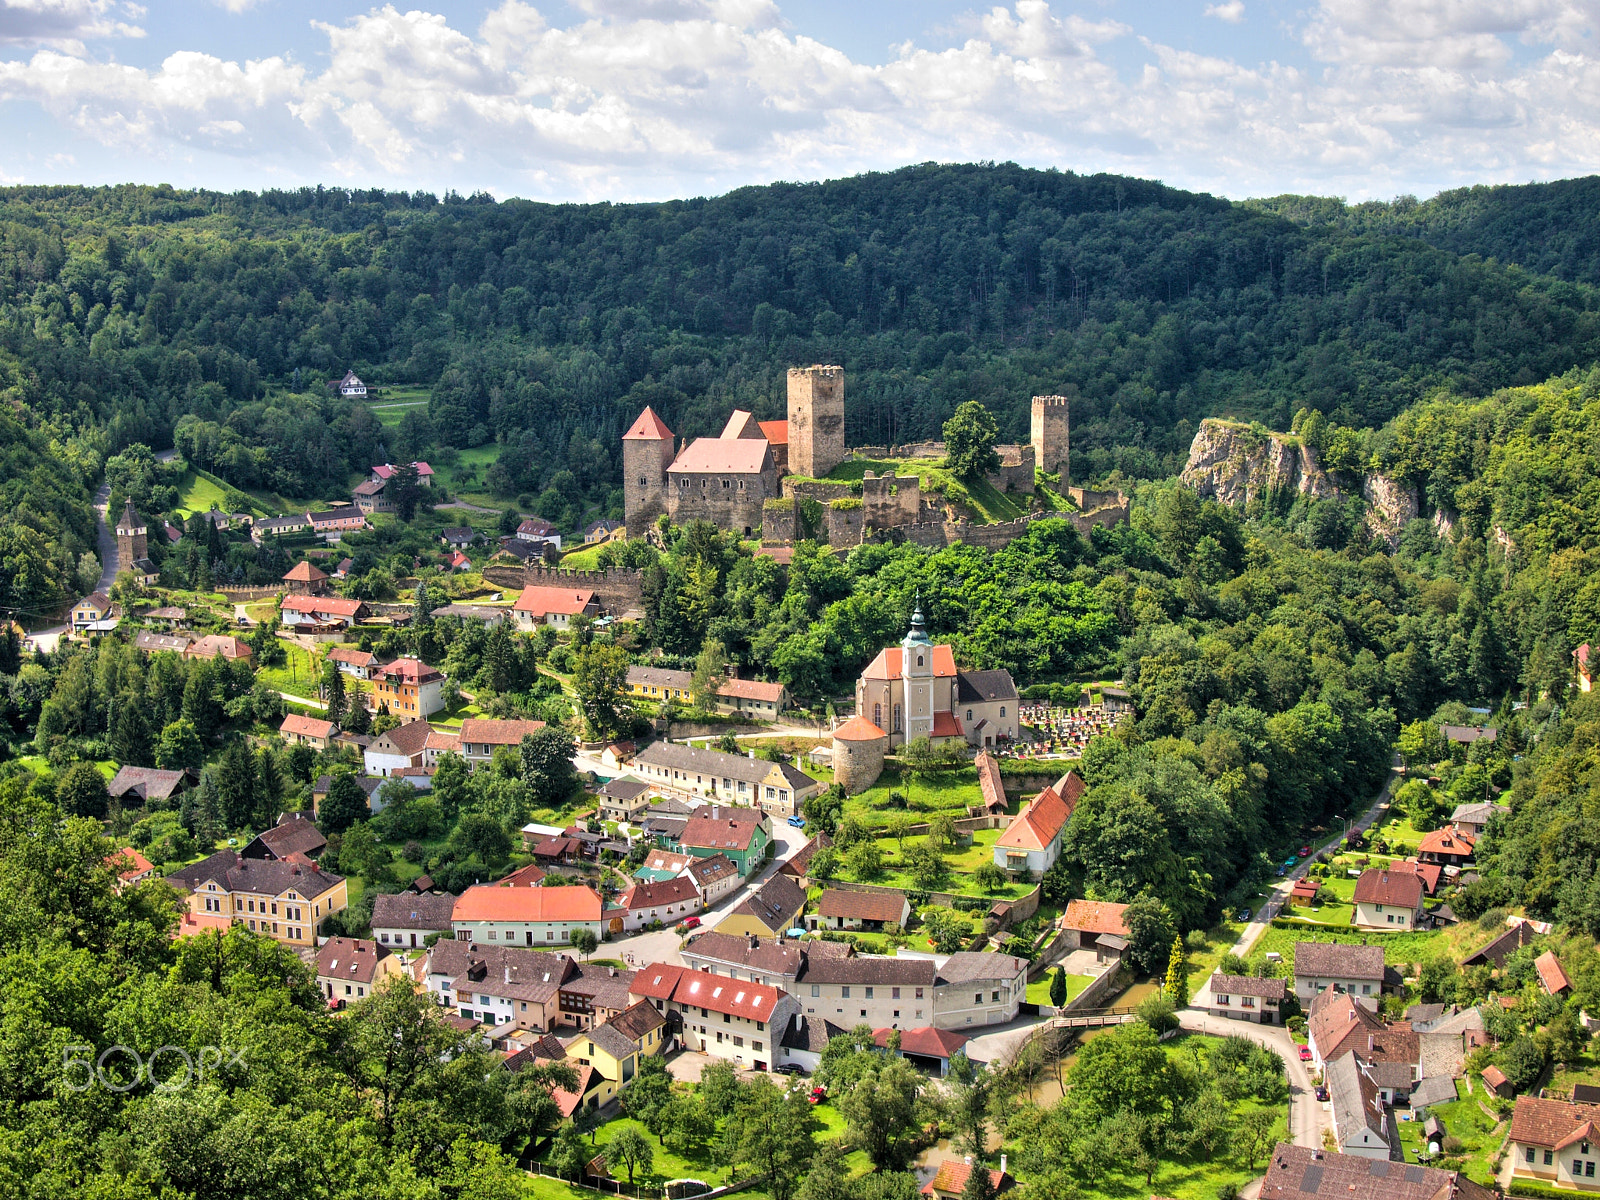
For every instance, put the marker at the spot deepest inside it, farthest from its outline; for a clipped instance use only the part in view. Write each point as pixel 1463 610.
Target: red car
pixel 1305 1053
pixel 691 923
pixel 818 1094
pixel 1305 851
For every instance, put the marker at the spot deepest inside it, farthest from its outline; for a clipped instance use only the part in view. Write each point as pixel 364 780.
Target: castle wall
pixel 891 499
pixel 732 502
pixel 777 522
pixel 1016 470
pixel 617 589
pixel 846 519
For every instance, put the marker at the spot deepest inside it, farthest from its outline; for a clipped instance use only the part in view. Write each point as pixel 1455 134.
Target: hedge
pixel 1540 1191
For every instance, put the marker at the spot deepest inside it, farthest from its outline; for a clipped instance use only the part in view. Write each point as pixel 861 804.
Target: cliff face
pixel 1235 465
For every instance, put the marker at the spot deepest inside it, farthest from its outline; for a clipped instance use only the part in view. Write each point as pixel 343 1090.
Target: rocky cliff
pixel 1236 464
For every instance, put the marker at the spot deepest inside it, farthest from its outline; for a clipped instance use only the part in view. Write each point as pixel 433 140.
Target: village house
pixel 223 645
pixel 133 787
pixel 538 531
pixel 283 899
pixel 744 835
pixel 349 969
pixel 1310 1173
pixel 798 865
pixel 739 1022
pixel 353 661
pixel 693 773
pixel 1473 819
pixel 997 984
pixel 486 614
pixel 401 747
pixel 295 833
pixel 279 526
pixel 406 919
pixel 321 610
pixel 556 607
pixel 131 867
pixel 167 616
pixel 1243 998
pixel 1555 1142
pixel 408 688
pixel 1446 846
pixel 869 911
pixel 1031 843
pixel 1319 966
pixel 1552 976
pixel 772 911
pixel 914 690
pixel 299 730
pixel 368 784
pixel 623 799
pixel 334 521
pixel 92 614
pixel 480 737
pixel 1361 1123
pixel 304 579
pixel 498 985
pixel 1389 900
pixel 770 961
pixel 603 531
pixel 1096 925
pixel 645 905
pixel 350 385
pixel 949 1182
pixel 157 643
pixel 713 877
pixel 615 1047
pixel 927 1049
pixel 542 916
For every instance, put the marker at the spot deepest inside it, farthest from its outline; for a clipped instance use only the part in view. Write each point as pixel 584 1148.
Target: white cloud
pixel 654 98
pixel 236 6
pixel 66 23
pixel 1231 12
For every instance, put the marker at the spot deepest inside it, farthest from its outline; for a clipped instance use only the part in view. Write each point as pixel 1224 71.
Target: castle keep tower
pixel 816 420
pixel 1049 435
pixel 131 543
pixel 647 452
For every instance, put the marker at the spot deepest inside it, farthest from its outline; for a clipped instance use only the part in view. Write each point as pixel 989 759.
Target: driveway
pixel 1307 1116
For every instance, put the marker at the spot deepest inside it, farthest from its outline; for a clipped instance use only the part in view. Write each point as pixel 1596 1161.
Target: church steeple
pixel 916 672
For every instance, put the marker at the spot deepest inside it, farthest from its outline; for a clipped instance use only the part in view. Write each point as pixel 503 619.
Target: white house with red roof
pixel 321 610
pixel 1032 842
pixel 529 917
pixel 733 1019
pixel 915 690
pixel 554 606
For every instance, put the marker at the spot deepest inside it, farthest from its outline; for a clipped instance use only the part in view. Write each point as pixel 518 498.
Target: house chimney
pixel 1002 1163
pixel 967 1160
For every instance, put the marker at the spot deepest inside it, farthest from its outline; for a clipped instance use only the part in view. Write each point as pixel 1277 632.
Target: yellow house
pixel 285 899
pixel 656 684
pixel 615 1048
pixel 776 908
pixel 91 610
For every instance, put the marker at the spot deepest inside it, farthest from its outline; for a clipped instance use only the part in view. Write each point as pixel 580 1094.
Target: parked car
pixel 1244 914
pixel 1305 851
pixel 1322 1092
pixel 818 1094
pixel 787 1069
pixel 1305 1053
pixel 797 821
pixel 691 922
pixel 1282 871
pixel 1290 861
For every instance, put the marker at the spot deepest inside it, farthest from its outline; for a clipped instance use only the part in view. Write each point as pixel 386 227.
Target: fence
pixel 240 595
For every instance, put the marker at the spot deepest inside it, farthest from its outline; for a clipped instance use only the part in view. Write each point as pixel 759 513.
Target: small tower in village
pixel 1049 432
pixel 131 544
pixel 916 673
pixel 647 452
pixel 816 420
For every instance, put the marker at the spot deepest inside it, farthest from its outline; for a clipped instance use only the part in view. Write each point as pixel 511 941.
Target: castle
pixel 133 546
pixel 751 475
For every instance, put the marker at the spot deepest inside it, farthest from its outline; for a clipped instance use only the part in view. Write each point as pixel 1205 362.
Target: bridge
pixel 1095 1018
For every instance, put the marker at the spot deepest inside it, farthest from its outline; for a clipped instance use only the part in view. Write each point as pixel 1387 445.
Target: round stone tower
pixel 858 750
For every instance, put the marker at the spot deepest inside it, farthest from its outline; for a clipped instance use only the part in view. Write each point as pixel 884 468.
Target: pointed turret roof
pixel 130 518
pixel 648 428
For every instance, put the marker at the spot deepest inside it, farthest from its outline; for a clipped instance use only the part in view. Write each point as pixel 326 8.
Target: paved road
pixel 1278 893
pixel 1307 1116
pixel 105 539
pixel 240 617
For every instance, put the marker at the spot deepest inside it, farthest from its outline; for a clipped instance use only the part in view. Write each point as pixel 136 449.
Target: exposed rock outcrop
pixel 1390 506
pixel 1236 464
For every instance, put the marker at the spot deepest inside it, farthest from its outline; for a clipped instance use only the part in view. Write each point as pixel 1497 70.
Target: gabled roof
pixel 540 600
pixel 888 663
pixel 1302 1172
pixel 742 423
pixel 1539 1122
pixel 302 726
pixel 410 670
pixel 337 606
pixel 648 428
pixel 96 600
pixel 128 863
pixel 488 902
pixel 304 572
pixel 353 959
pixel 721 829
pixel 637 1021
pixel 483 731
pixel 990 784
pixel 293 834
pixel 797 862
pixel 1247 985
pixel 224 644
pixel 1403 889
pixel 148 783
pixel 407 910
pixel 751 689
pixel 733 456
pixel 777 905
pixel 1095 916
pixel 408 739
pixel 776 432
pixel 1552 975
pixel 862 906
pixel 1497 951
pixel 775 957
pixel 980 687
pixel 653 895
pixel 1446 840
pixel 969 966
pixel 952 1178
pixel 926 1041
pixel 152 643
pixel 355 656
pixel 232 872
pixel 1335 960
pixel 1038 824
pixel 715 993
pixel 712 869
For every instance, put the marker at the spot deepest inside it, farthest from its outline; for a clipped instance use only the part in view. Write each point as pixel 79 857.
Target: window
pixel 815 991
pixel 977 998
pixel 919 997
pixel 1530 1153
pixel 1549 1157
pixel 844 993
pixel 994 996
pixel 894 993
pixel 1002 710
pixel 869 993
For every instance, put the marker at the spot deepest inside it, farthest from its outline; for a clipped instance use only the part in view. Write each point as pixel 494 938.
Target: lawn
pixel 1039 989
pixel 989 504
pixel 1462 1119
pixel 1397 947
pixel 586 559
pixel 949 792
pixel 1214 943
pixel 962 861
pixel 298 675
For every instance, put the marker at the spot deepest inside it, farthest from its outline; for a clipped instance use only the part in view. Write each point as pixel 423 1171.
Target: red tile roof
pixel 990 784
pixel 927 1041
pixel 1095 916
pixel 1403 889
pixel 776 432
pixel 668 891
pixel 648 428
pixel 736 456
pixel 752 689
pixel 1537 1122
pixel 214 644
pixel 1446 841
pixel 1552 975
pixel 294 723
pixel 410 670
pixel 540 600
pixel 490 902
pixel 483 731
pixel 952 1178
pixel 720 832
pixel 337 606
pixel 128 863
pixel 304 572
pixel 945 724
pixel 858 729
pixel 887 664
pixel 659 981
pixel 862 906
pixel 1429 873
pixel 354 655
pixel 1038 824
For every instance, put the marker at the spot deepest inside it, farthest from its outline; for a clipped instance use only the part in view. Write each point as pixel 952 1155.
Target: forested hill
pixel 126 308
pixel 1548 228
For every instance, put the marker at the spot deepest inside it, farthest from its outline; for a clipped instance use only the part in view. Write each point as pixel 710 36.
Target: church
pixel 914 690
pixel 727 479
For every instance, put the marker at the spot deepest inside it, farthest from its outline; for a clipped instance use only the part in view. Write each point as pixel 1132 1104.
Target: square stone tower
pixel 816 420
pixel 131 539
pixel 647 452
pixel 1049 435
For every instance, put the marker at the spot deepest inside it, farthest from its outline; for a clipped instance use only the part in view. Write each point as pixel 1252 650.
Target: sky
pixel 654 99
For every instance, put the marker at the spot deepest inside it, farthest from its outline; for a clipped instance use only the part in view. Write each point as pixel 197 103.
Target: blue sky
pixel 648 99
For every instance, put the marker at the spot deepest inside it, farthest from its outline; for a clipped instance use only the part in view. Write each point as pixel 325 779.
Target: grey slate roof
pixel 969 967
pixel 407 910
